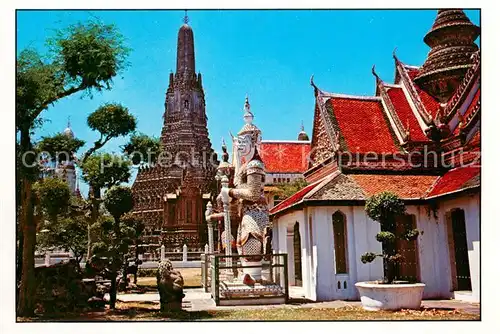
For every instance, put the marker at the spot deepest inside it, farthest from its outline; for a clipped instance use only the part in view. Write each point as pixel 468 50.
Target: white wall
pixel 471 206
pixel 433 255
pixel 319 279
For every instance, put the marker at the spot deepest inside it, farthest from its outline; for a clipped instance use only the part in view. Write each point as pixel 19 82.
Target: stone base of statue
pixel 254 269
pixel 238 293
pixel 256 283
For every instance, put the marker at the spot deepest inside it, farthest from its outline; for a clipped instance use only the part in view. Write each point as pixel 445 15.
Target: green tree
pixel 105 170
pixel 60 147
pixel 138 225
pixel 288 189
pixel 116 236
pixel 111 120
pixel 385 208
pixel 83 58
pixel 142 149
pixel 53 196
pixel 69 233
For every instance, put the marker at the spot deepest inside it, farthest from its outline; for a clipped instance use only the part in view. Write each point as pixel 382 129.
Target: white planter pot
pixel 255 273
pixel 375 297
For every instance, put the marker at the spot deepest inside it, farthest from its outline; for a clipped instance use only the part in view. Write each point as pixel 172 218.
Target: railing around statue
pixel 272 290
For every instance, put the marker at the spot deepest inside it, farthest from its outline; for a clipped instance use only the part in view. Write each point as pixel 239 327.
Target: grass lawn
pixel 150 312
pixel 191 276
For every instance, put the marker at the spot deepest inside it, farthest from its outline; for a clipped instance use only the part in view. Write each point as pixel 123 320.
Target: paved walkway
pixel 197 300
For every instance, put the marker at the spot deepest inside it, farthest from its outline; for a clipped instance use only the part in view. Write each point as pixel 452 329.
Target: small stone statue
pixel 170 286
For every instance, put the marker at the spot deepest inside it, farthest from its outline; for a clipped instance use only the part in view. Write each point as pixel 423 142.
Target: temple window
pixel 340 242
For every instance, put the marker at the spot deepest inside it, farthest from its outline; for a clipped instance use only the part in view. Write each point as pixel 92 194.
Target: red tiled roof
pixel 405 186
pixel 430 104
pixel 295 198
pixel 454 180
pixel 363 125
pixel 285 157
pixel 405 113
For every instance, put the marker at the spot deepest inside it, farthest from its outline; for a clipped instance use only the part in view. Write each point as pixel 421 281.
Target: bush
pixel 384 208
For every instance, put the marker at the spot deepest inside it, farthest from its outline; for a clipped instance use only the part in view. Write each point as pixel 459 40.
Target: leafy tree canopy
pixel 118 201
pixel 288 189
pixel 142 148
pixel 105 170
pixel 69 233
pixel 60 146
pixel 112 120
pixel 53 194
pixel 384 207
pixel 84 56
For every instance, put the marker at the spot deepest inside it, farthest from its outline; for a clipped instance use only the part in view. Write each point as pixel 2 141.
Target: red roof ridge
pixel 284 141
pixel 385 84
pixel 352 97
pixel 412 67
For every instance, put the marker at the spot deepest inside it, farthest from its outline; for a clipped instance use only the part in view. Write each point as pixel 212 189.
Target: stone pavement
pixel 197 300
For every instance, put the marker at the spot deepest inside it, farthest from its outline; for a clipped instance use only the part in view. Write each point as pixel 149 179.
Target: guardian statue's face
pixel 245 146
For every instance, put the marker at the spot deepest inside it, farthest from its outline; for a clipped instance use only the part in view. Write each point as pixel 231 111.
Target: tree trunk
pixel 112 291
pixel 389 249
pixel 25 306
pixel 95 197
pixel 19 260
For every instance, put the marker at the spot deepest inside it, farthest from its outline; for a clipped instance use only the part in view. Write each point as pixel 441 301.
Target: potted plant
pixel 389 294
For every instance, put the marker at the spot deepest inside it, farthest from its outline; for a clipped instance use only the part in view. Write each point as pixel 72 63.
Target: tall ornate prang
pixel 171 195
pixel 451 39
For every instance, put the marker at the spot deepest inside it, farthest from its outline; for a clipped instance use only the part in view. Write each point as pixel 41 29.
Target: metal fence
pixel 227 291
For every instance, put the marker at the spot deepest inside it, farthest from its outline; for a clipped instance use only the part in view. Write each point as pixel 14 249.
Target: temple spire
pixel 185 52
pixel 451 39
pixel 186 18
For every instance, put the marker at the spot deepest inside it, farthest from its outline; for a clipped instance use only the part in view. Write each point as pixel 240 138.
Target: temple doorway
pixel 459 251
pixel 297 258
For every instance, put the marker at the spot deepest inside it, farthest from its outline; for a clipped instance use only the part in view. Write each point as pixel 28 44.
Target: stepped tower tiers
pixel 170 196
pixel 451 39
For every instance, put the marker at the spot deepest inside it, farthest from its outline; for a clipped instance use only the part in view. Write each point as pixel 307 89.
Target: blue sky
pixel 267 54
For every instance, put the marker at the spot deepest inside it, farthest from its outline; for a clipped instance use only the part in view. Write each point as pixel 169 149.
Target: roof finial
pixel 375 73
pixel 186 18
pixel 248 116
pixel 302 125
pixel 69 123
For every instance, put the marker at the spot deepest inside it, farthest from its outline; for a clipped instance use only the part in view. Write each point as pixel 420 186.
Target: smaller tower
pixel 302 134
pixel 66 169
pixel 451 39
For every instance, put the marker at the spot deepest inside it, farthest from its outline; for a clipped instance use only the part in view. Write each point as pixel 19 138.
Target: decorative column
pixel 227 228
pixel 162 252
pixel 184 253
